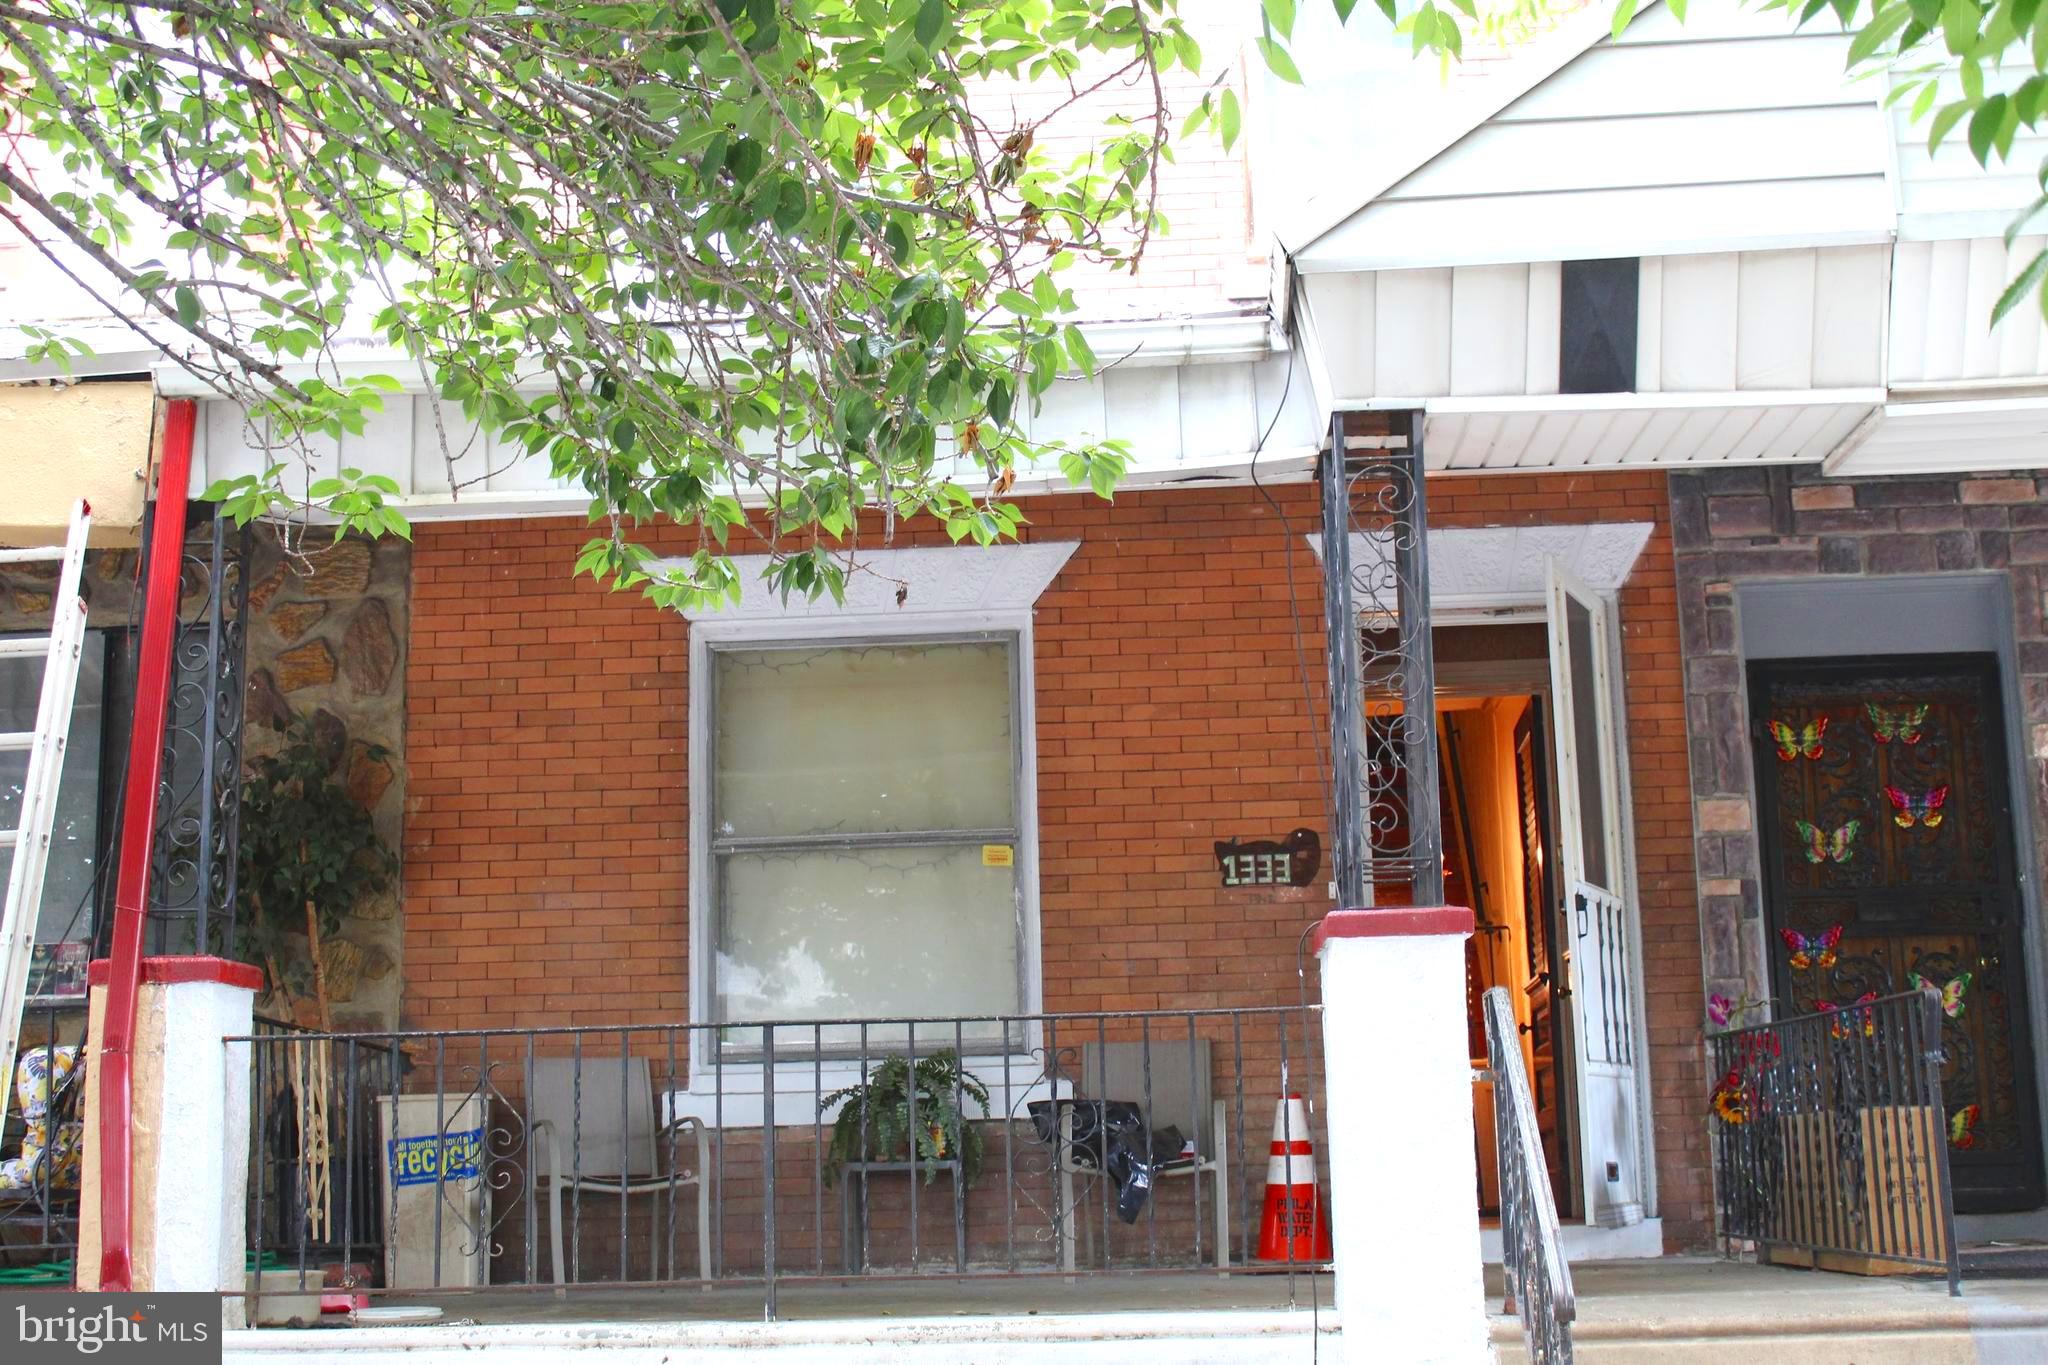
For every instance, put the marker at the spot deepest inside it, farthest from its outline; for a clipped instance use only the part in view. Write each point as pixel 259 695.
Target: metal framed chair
pixel 1178 1086
pixel 615 1148
pixel 39 1185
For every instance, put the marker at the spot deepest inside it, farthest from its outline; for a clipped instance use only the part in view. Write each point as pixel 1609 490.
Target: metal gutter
pixel 1209 337
pixel 138 827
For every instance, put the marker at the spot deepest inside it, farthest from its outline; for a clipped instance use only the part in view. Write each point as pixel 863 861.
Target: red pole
pixel 138 827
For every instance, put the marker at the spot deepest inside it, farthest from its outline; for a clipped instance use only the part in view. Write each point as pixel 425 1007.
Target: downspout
pixel 138 827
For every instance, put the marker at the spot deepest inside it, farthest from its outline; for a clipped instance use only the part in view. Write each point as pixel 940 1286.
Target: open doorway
pixel 1500 859
pixel 1530 758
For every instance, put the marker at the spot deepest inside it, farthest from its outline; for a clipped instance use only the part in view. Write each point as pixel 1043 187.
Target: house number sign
pixel 1292 861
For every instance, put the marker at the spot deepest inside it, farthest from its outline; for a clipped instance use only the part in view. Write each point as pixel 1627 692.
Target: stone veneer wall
pixel 26 589
pixel 1755 524
pixel 326 642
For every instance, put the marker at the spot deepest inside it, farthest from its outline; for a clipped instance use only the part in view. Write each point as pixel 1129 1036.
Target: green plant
pixel 796 254
pixel 308 854
pixel 874 1124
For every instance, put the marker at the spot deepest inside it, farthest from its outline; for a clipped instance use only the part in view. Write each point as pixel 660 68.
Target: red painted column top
pixel 1392 921
pixel 177 971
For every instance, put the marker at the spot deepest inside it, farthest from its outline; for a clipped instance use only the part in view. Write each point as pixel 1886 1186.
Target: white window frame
pixel 736 1087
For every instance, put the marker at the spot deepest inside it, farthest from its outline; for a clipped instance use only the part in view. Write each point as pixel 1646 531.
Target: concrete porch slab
pixel 1669 1311
pixel 1682 1310
pixel 1131 1320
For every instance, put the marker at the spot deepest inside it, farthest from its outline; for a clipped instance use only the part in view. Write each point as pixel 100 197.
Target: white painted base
pixel 1638 1242
pixel 1266 1337
pixel 189 1140
pixel 1404 1199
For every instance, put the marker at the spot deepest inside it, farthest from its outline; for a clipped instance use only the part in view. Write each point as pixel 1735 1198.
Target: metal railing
pixel 315 1191
pixel 41 1146
pixel 548 1159
pixel 1830 1139
pixel 1539 1282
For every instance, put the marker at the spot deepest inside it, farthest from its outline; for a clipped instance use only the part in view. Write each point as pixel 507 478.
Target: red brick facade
pixel 1178 655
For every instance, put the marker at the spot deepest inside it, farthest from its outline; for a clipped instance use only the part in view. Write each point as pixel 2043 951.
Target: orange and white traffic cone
pixel 1295 1227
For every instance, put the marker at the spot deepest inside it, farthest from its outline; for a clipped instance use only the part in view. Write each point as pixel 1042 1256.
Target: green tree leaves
pixel 796 255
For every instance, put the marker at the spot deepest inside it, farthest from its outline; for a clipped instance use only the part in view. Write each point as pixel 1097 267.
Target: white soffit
pixel 1491 567
pixel 953 580
pixel 1651 430
pixel 1199 417
pixel 1949 438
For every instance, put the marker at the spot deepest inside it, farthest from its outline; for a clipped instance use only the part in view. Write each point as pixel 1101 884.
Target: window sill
pixel 735 1099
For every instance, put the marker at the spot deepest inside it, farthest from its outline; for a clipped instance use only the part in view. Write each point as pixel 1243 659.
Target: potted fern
pixel 874 1122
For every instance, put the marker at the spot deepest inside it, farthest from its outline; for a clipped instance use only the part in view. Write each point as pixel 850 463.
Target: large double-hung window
pixel 864 816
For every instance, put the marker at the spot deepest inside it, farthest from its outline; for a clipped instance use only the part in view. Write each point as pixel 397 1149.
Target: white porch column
pixel 1404 1200
pixel 189 1151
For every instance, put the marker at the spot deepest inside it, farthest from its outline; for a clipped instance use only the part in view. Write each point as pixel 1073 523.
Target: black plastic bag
pixel 1110 1136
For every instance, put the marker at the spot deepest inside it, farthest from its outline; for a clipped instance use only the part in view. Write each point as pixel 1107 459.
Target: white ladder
pixel 45 747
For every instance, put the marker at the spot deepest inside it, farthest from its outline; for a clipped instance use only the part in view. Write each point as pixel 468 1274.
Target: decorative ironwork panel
pixel 192 876
pixel 1827 1138
pixel 1888 862
pixel 1387 822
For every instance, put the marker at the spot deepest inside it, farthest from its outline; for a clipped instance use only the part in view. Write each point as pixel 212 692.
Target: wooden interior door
pixel 1542 987
pixel 1886 812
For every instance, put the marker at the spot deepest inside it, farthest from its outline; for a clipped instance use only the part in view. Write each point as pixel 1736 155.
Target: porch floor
pixel 1671 1311
pixel 1707 1295
pixel 927 1298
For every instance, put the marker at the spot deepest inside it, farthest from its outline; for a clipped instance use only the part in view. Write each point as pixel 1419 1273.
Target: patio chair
pixel 39 1184
pixel 602 1156
pixel 1179 1092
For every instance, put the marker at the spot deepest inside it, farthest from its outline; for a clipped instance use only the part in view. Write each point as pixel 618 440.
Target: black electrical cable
pixel 1322 754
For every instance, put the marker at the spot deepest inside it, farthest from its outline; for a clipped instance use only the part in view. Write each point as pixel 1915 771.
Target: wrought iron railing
pixel 1386 823
pixel 41 1143
pixel 1830 1138
pixel 315 1196
pixel 1539 1282
pixel 192 898
pixel 549 1159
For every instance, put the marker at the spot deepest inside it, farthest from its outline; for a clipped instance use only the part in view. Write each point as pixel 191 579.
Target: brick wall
pixel 1748 525
pixel 546 832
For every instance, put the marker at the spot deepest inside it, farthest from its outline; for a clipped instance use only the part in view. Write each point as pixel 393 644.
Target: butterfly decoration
pixel 1731 1098
pixel 1845 1018
pixel 1803 742
pixel 1828 846
pixel 1961 1127
pixel 1812 950
pixel 1951 994
pixel 1902 724
pixel 1925 808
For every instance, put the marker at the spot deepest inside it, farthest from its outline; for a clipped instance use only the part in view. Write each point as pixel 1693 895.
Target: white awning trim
pixel 955 580
pixel 1948 438
pixel 1495 568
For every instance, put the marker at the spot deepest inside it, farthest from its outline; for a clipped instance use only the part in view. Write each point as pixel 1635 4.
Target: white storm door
pixel 1594 927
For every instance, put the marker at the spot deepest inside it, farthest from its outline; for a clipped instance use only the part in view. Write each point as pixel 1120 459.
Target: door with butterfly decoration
pixel 1887 842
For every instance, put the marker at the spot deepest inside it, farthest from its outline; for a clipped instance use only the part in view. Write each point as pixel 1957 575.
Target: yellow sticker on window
pixel 998 855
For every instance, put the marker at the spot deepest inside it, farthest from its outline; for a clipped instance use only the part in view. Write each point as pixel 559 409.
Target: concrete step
pixel 1684 1312
pixel 2005 1260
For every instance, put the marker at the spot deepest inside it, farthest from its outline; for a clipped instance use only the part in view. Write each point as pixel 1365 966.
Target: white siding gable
pixel 1732 130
